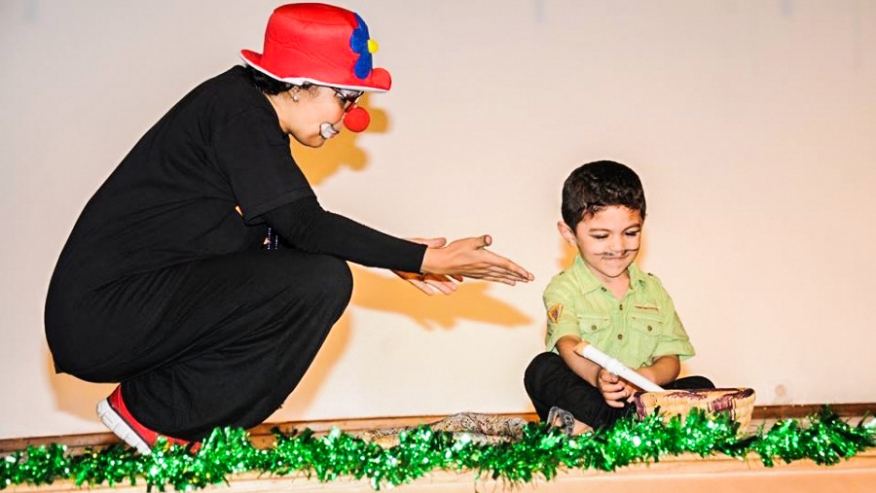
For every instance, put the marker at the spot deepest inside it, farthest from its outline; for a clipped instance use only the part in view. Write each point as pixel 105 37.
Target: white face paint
pixel 327 130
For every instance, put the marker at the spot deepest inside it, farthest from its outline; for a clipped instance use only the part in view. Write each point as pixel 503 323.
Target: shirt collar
pixel 637 277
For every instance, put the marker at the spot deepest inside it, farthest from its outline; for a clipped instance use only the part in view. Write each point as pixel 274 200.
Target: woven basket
pixel 739 402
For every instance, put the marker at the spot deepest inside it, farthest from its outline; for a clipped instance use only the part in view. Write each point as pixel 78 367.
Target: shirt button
pixel 620 337
pixel 621 307
pixel 592 327
pixel 650 328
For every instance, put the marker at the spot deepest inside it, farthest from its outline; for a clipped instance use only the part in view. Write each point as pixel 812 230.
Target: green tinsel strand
pixel 422 450
pixel 623 443
pixel 112 465
pixel 329 459
pixel 826 441
pixel 289 455
pixel 36 465
pixel 641 441
pixel 8 468
pixel 336 455
pixel 225 452
pixel 541 451
pixel 409 459
pixel 706 436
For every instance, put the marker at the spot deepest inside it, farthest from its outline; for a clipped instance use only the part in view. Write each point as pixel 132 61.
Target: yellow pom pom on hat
pixel 319 44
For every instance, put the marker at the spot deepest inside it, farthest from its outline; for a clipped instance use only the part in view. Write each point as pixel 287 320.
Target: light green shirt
pixel 635 330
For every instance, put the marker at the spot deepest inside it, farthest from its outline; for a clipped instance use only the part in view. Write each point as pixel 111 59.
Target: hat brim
pixel 378 81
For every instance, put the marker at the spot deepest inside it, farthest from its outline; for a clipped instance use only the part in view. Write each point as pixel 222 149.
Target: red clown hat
pixel 319 44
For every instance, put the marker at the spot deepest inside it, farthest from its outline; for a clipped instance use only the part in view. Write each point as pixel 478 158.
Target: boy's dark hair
pixel 269 85
pixel 597 185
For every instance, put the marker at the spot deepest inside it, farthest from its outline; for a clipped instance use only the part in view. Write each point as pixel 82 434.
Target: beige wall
pixel 752 124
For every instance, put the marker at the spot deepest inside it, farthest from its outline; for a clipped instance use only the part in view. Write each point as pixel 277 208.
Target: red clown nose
pixel 356 119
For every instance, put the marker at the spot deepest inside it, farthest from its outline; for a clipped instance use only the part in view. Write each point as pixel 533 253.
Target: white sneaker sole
pixel 120 428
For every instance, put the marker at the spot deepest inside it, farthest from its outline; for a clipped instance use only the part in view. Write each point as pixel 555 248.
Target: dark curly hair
pixel 597 185
pixel 269 85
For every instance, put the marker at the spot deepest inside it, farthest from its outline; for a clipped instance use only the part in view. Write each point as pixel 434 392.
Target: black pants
pixel 226 347
pixel 550 382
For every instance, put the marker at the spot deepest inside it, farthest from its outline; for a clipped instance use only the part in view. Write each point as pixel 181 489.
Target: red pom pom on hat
pixel 357 119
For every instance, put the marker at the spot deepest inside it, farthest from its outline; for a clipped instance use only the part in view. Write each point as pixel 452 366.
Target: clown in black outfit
pixel 165 284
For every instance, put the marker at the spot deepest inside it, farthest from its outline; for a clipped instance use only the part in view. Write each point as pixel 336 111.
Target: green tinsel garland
pixel 541 452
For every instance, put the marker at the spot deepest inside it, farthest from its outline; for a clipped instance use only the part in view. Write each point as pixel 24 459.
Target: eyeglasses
pixel 348 97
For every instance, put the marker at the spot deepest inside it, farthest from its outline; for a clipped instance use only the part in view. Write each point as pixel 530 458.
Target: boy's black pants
pixel 228 346
pixel 550 382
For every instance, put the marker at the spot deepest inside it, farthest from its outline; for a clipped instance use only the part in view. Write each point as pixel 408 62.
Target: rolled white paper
pixel 616 367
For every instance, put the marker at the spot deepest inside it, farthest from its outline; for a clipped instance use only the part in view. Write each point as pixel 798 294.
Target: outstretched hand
pixel 431 283
pixel 469 257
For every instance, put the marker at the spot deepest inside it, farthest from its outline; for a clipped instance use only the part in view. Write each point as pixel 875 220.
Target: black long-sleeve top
pixel 207 180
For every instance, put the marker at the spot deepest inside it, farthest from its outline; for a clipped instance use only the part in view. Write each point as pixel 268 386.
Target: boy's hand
pixel 615 390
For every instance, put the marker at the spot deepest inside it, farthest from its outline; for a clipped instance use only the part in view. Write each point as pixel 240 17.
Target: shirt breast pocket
pixel 593 328
pixel 647 324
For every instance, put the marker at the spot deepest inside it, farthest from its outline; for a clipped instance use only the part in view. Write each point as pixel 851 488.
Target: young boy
pixel 604 299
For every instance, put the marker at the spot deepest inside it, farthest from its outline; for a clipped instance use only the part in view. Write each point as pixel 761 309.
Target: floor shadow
pixel 471 301
pixel 383 291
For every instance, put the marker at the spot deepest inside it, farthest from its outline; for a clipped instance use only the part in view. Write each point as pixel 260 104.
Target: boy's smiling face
pixel 608 241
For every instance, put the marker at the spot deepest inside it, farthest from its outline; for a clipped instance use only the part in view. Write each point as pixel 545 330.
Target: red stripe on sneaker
pixel 150 437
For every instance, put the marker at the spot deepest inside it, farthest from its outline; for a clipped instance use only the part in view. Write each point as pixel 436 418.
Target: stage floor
pixel 714 474
pixel 677 474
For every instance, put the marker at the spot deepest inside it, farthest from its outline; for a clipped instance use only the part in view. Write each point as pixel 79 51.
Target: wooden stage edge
pixel 261 435
pixel 718 474
pixel 686 473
